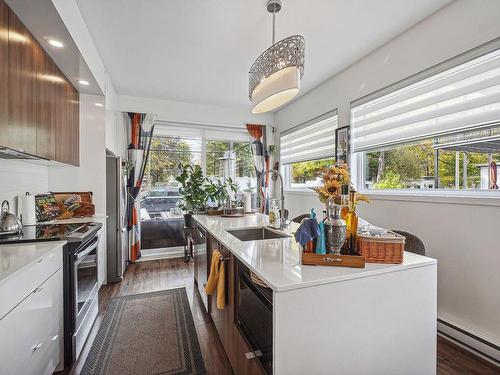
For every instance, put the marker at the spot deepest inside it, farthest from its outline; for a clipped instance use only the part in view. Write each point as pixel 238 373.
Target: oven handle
pixel 93 244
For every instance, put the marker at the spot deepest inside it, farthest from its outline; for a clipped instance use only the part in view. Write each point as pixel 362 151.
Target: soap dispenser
pixel 274 216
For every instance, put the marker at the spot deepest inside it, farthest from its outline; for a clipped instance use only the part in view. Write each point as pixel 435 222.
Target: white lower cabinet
pixel 31 332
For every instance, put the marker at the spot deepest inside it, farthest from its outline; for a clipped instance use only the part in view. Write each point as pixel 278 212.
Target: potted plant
pixel 219 194
pixel 232 205
pixel 216 192
pixel 193 195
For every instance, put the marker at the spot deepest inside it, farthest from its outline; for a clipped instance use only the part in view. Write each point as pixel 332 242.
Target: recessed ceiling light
pixel 83 82
pixel 55 43
pixel 99 104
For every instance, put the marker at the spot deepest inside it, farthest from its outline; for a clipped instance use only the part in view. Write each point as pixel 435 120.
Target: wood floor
pixel 166 274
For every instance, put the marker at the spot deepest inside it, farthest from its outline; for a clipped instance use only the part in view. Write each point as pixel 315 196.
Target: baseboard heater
pixel 470 341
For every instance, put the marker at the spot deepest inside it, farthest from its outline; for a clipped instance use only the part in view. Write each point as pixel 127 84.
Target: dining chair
pixel 413 243
pixel 299 218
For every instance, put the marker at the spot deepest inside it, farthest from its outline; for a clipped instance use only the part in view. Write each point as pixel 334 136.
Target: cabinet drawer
pixel 245 363
pixel 28 279
pixel 31 331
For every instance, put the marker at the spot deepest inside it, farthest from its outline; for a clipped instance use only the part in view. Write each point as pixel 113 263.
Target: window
pixel 437 130
pixel 161 224
pixel 215 151
pixel 306 150
pixel 449 162
pixel 245 169
pixel 165 155
pixel 242 163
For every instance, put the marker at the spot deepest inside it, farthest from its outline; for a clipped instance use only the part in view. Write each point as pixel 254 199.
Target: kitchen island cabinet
pixel 331 320
pixel 231 338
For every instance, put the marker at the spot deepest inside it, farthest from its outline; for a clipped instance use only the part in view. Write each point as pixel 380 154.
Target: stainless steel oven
pixel 79 277
pixel 85 292
pixel 254 316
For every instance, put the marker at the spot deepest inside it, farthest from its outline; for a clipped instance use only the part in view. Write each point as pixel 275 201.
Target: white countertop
pixel 277 261
pixel 76 220
pixel 15 257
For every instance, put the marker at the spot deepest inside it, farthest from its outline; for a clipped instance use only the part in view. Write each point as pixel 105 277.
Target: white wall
pixel 462 237
pixel 70 14
pixel 18 177
pixel 175 111
pixel 115 124
pixel 91 175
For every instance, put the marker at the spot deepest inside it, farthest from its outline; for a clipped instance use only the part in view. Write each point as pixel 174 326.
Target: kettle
pixel 9 223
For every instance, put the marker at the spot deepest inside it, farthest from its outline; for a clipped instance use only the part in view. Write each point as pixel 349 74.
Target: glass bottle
pixel 352 223
pixel 344 202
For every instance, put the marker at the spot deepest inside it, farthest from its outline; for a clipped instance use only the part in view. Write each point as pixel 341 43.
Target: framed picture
pixel 342 145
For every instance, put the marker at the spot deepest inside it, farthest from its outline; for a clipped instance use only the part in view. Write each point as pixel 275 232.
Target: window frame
pixel 435 195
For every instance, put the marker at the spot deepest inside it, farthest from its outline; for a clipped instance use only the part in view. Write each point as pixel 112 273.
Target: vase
pixel 335 228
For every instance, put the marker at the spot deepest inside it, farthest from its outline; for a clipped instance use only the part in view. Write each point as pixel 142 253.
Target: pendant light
pixel 274 78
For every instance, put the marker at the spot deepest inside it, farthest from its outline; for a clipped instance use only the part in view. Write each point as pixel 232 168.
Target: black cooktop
pixel 53 232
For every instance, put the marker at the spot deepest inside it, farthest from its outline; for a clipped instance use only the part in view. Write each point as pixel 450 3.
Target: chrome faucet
pixel 283 223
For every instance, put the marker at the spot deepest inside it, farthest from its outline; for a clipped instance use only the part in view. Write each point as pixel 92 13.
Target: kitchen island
pixel 380 319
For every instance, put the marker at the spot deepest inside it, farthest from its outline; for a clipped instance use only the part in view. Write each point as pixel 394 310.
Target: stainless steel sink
pixel 256 234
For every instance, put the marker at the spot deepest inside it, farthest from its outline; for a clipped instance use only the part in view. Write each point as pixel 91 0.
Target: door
pixel 49 79
pixel 67 137
pixel 201 262
pixel 85 279
pixel 4 65
pixel 101 257
pixel 123 245
pixel 20 132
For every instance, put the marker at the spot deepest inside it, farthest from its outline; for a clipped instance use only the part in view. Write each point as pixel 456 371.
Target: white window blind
pixel 465 96
pixel 172 129
pixel 312 140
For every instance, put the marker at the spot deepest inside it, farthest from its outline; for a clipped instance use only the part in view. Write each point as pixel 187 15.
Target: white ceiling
pixel 200 51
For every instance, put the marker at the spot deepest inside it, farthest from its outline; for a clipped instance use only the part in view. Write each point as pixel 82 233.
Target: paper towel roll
pixel 247 201
pixel 26 209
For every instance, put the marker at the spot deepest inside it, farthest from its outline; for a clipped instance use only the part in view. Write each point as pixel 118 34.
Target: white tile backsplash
pixel 17 177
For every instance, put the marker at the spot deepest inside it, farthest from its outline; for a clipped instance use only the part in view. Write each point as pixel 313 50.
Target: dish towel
pixel 308 231
pixel 217 279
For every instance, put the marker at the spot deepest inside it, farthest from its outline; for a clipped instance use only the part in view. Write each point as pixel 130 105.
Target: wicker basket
pixel 382 249
pixel 257 280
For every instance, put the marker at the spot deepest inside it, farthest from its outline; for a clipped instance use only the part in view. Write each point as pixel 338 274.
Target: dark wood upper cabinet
pixel 49 79
pixel 67 125
pixel 74 124
pixel 39 107
pixel 21 107
pixel 4 64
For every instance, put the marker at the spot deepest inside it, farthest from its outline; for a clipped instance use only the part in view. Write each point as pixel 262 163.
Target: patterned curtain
pixel 262 160
pixel 140 127
pixel 493 175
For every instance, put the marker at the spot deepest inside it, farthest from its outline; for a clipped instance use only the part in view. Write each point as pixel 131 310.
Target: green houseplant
pixel 193 194
pixel 219 194
pixel 215 192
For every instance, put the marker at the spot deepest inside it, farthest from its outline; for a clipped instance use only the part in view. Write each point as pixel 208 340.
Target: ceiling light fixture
pixel 55 43
pixel 274 78
pixel 99 104
pixel 83 82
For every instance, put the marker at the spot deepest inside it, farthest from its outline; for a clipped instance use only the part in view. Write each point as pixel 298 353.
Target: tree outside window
pixel 412 166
